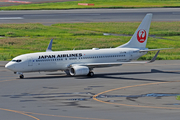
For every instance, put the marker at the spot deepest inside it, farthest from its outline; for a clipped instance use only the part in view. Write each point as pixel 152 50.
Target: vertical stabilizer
pixel 139 39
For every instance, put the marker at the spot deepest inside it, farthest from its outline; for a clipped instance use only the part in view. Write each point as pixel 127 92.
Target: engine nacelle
pixel 79 70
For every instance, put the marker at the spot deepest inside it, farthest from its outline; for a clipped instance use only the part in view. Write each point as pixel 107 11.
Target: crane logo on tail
pixel 141 35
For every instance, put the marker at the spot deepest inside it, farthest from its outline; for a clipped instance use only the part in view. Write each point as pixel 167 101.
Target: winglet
pixel 154 58
pixel 49 48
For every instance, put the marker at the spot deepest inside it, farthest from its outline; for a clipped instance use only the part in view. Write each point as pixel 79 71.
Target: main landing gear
pixel 91 74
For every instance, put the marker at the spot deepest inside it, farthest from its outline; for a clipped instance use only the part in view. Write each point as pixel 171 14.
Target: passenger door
pixel 30 61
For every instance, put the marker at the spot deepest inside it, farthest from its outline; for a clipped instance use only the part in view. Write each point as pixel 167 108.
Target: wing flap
pixel 147 50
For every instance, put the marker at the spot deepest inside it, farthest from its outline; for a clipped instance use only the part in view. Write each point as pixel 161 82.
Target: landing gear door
pixel 30 61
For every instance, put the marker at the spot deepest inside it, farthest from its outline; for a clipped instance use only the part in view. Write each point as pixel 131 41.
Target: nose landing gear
pixel 21 76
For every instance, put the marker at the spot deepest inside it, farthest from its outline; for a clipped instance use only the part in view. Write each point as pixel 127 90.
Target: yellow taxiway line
pixel 27 113
pixel 95 96
pixel 19 112
pixel 41 114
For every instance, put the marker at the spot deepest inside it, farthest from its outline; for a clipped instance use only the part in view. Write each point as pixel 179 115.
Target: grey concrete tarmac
pixel 138 92
pixel 49 17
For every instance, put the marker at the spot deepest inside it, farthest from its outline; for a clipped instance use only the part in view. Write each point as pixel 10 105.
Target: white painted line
pixel 176 13
pixel 39 15
pixel 87 14
pixel 11 18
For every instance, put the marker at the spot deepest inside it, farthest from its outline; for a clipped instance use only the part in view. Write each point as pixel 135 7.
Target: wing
pixel 95 65
pixel 147 50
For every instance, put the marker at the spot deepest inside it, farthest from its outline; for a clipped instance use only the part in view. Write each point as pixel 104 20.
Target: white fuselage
pixel 82 62
pixel 60 60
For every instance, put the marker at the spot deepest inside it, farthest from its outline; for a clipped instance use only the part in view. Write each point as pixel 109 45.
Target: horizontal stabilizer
pixel 49 48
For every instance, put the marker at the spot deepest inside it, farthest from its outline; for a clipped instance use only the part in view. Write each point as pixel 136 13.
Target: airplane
pixel 82 62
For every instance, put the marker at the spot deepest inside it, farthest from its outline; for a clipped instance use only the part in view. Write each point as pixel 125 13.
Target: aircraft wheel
pixel 91 74
pixel 21 76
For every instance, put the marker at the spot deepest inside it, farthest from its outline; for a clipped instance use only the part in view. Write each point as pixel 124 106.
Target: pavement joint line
pixel 127 105
pixel 8 80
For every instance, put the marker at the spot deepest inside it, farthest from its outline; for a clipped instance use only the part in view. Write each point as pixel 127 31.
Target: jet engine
pixel 79 70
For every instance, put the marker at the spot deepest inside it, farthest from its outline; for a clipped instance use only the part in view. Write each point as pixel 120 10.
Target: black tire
pixel 21 76
pixel 91 74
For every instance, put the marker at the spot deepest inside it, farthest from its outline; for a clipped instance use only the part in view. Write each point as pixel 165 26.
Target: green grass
pixel 178 97
pixel 98 4
pixel 26 38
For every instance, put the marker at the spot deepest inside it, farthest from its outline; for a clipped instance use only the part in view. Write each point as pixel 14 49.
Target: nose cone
pixel 10 66
pixel 6 66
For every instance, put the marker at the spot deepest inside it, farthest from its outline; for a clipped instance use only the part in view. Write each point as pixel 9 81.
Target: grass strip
pixel 178 97
pixel 17 39
pixel 98 4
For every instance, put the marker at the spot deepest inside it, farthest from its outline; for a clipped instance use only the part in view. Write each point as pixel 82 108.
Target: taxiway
pixel 49 17
pixel 120 93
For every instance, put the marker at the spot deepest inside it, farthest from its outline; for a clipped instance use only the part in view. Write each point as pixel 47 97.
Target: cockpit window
pixel 16 60
pixel 13 60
